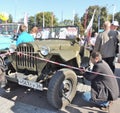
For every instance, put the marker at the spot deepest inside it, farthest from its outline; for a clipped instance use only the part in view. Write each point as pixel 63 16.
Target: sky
pixel 62 9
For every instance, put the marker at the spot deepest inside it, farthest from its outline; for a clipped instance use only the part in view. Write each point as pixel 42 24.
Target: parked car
pixel 6 41
pixel 8 33
pixel 50 64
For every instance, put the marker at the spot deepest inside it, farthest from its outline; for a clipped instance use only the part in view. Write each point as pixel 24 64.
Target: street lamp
pixel 107 9
pixel 114 7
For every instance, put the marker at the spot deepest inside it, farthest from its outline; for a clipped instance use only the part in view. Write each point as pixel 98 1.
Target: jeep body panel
pixel 63 49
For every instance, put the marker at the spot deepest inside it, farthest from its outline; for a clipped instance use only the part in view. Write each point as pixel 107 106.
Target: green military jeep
pixel 52 62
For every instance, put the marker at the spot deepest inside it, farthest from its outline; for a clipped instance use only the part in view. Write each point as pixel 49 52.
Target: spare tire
pixel 62 88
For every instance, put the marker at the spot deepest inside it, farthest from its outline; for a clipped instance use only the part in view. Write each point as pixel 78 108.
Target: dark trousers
pixel 110 61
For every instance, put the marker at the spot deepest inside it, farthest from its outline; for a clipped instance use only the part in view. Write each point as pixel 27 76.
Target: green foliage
pixel 77 22
pixel 100 11
pixel 31 23
pixel 50 19
pixel 66 22
pixel 47 19
pixel 42 19
pixel 10 20
pixel 117 17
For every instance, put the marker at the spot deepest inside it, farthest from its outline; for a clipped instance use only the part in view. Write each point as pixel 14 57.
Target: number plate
pixel 31 84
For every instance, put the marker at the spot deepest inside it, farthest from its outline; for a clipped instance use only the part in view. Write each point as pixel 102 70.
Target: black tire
pixel 62 88
pixel 3 80
pixel 1 61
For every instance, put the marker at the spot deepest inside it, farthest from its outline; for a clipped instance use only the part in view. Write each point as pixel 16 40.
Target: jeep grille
pixel 24 61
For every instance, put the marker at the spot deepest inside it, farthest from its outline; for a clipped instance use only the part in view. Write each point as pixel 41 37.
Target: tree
pixel 42 19
pixel 117 17
pixel 46 19
pixel 67 22
pixel 31 22
pixel 10 20
pixel 77 23
pixel 76 20
pixel 101 12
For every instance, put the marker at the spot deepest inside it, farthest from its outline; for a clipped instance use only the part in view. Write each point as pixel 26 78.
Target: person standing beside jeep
pixel 24 35
pixel 114 27
pixel 106 44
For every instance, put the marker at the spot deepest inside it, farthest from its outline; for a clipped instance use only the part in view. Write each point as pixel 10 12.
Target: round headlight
pixel 44 50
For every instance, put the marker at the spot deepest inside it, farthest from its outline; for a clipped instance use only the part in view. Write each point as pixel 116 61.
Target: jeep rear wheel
pixel 62 88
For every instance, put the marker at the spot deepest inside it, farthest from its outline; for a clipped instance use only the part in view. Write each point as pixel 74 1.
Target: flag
pixel 26 20
pixel 88 30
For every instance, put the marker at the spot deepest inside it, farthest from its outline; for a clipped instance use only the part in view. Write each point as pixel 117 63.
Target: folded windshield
pixel 61 32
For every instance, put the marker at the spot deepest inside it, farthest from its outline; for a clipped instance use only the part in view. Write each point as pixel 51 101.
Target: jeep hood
pixel 64 48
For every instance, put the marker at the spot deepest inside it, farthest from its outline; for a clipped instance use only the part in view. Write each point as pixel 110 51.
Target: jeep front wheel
pixel 62 88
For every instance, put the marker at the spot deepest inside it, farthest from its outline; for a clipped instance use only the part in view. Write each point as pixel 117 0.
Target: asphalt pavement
pixel 22 100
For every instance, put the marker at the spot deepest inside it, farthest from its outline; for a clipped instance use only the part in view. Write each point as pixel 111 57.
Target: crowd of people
pixel 24 36
pixel 104 89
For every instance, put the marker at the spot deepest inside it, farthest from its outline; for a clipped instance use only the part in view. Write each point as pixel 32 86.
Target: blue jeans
pixel 87 97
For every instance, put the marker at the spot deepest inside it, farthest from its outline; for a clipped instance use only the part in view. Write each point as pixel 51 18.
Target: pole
pixel 61 16
pixel 107 7
pixel 52 19
pixel 15 4
pixel 99 20
pixel 73 16
pixel 114 7
pixel 43 21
